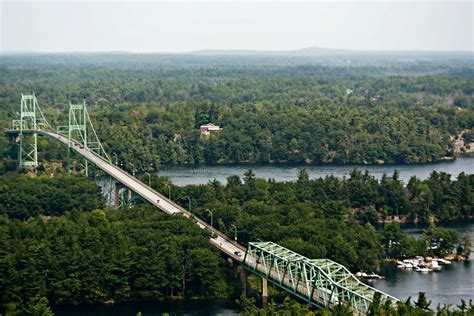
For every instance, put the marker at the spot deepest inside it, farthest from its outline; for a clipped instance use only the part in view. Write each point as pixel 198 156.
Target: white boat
pixel 422 270
pixel 435 266
pixel 422 264
pixel 373 276
pixel 443 261
pixel 361 274
pixel 364 275
pixel 410 263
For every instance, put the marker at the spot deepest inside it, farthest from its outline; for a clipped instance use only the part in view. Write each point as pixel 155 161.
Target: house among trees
pixel 209 128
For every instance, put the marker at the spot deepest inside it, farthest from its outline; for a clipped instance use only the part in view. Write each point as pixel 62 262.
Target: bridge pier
pixel 264 287
pixel 243 281
pixel 117 188
pixel 264 291
pixel 243 274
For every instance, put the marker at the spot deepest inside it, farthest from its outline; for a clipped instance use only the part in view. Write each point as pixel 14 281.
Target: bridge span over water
pixel 320 282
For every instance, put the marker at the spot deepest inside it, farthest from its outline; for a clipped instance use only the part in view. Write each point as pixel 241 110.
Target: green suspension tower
pixel 31 120
pixel 77 127
pixel 28 154
pixel 81 130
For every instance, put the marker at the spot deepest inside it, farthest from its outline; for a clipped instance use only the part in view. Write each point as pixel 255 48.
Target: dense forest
pixel 84 253
pixel 23 197
pixel 60 244
pixel 98 256
pixel 148 109
pixel 420 307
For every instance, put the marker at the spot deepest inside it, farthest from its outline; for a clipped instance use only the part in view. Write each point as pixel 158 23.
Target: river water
pixel 194 308
pixel 446 287
pixel 199 175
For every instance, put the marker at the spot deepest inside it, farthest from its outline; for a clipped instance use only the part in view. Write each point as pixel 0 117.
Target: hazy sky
pixel 175 27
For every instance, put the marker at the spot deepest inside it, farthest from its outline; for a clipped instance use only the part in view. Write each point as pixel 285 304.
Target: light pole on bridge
pixel 189 204
pixel 133 169
pixel 116 158
pixel 210 212
pixel 235 229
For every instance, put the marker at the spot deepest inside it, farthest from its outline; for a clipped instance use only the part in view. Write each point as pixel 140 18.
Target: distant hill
pixel 306 56
pixel 319 51
pixel 309 51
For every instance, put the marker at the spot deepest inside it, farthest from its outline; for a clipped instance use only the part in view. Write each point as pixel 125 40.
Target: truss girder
pixel 321 282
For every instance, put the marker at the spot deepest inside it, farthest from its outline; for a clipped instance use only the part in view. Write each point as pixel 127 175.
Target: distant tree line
pixel 149 113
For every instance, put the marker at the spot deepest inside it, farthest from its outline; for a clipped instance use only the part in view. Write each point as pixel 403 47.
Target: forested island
pixel 149 108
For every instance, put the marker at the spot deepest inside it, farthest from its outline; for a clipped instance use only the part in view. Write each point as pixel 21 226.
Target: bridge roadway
pixel 222 242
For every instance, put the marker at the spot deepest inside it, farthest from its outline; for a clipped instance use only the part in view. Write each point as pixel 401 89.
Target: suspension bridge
pixel 320 282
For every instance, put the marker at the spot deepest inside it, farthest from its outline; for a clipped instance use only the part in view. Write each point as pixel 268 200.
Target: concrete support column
pixel 243 281
pixel 118 186
pixel 264 287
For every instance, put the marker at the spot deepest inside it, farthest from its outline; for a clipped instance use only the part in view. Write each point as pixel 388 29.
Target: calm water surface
pixel 200 175
pixel 194 308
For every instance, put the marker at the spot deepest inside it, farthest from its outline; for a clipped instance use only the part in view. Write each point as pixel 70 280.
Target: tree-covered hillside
pixel 149 108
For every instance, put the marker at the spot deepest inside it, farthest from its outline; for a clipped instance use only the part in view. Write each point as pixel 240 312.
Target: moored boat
pixel 435 266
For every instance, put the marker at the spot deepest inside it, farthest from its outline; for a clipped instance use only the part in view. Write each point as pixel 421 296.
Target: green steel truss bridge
pixel 320 282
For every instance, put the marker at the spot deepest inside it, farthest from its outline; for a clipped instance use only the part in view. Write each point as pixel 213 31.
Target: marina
pixel 454 282
pixel 420 264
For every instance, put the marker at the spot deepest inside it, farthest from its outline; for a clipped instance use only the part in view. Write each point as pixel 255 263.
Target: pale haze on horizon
pixel 87 26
